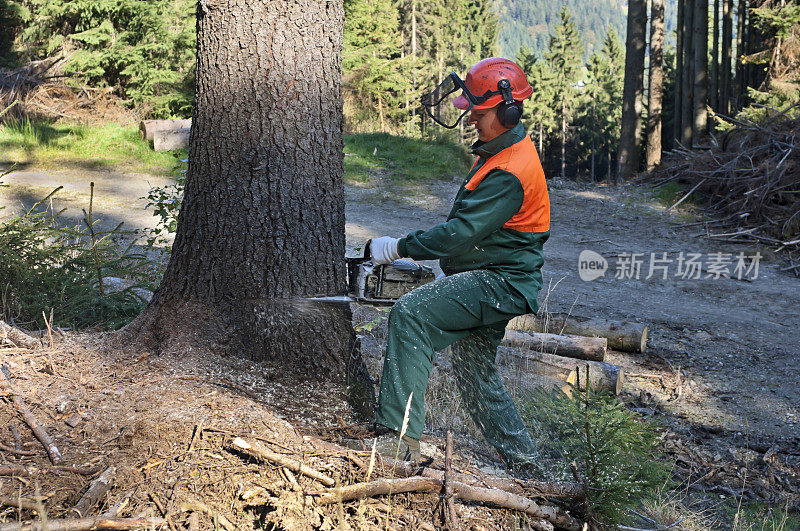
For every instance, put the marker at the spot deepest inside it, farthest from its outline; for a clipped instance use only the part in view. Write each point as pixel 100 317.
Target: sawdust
pixel 166 422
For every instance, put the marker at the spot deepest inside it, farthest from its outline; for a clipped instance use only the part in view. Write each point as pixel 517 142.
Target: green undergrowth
pixel 402 158
pixel 756 516
pixel 669 193
pixel 107 146
pixel 47 268
pixel 613 448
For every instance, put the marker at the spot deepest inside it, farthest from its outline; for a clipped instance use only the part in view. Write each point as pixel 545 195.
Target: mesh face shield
pixel 438 104
pixel 447 108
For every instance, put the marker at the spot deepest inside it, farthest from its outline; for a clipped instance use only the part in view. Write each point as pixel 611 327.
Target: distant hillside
pixel 529 22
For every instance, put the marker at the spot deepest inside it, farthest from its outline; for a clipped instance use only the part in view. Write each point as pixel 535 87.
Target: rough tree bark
pixel 656 84
pixel 713 68
pixel 676 119
pixel 700 100
pixel 725 74
pixel 262 222
pixel 741 43
pixel 687 88
pixel 630 134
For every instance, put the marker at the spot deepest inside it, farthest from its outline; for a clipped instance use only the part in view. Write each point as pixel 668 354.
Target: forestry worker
pixel 490 249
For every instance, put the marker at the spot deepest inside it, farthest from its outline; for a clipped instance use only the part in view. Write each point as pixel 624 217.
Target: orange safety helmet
pixel 483 84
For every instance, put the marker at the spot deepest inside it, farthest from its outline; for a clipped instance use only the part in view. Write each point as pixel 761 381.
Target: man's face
pixel 487 123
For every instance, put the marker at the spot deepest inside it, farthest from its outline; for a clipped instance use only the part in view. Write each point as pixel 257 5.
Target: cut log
pixel 550 378
pixel 170 139
pixel 578 347
pixel 625 335
pixel 148 128
pixel 602 376
pixel 16 337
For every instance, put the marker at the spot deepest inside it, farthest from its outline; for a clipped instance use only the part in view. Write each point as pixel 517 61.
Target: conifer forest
pixel 253 276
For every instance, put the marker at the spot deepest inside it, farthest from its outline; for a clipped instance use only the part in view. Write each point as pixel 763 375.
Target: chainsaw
pixel 380 285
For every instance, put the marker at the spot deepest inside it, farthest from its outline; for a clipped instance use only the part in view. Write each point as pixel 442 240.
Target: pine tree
pixel 373 80
pixel 538 113
pixel 563 56
pixel 145 49
pixel 602 109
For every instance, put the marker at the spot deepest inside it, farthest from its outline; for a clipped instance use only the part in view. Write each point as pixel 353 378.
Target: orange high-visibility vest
pixel 521 160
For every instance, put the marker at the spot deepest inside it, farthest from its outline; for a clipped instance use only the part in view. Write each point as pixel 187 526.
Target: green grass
pixel 104 146
pixel 756 516
pixel 117 147
pixel 401 158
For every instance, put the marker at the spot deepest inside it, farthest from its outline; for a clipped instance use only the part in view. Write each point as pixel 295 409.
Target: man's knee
pixel 404 310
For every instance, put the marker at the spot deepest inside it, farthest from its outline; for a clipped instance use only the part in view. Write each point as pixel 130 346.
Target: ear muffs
pixel 509 112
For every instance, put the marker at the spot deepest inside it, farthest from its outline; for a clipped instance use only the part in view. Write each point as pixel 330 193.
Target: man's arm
pixel 487 208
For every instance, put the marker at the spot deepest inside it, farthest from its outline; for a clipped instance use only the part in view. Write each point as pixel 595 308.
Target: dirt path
pixel 728 346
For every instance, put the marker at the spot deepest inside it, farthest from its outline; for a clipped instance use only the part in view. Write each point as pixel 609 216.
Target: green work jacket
pixel 473 237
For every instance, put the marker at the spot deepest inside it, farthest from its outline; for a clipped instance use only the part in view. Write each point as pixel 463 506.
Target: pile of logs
pixel 166 135
pixel 570 350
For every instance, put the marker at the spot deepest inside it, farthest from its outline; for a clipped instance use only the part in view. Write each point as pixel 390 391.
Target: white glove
pixel 384 250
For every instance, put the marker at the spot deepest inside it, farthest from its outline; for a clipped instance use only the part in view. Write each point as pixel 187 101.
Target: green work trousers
pixel 469 310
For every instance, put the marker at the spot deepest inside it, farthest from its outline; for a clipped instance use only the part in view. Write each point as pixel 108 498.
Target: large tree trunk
pixel 677 108
pixel 700 124
pixel 688 85
pixel 630 135
pixel 653 150
pixel 725 77
pixel 262 221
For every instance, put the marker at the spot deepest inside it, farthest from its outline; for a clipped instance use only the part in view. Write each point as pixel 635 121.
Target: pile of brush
pixel 38 89
pixel 749 182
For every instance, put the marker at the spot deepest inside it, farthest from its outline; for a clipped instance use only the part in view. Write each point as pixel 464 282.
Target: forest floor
pixel 719 373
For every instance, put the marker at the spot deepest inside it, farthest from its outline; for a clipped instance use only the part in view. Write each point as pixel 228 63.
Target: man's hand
pixel 384 250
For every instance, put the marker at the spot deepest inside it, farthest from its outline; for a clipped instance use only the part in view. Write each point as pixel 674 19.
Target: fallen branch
pixel 162 510
pixel 501 498
pixel 14 470
pixel 84 524
pixel 41 434
pixel 16 337
pixel 197 506
pixel 497 497
pixel 451 517
pixel 563 490
pixel 99 487
pixel 257 451
pixel 21 503
pixel 14 451
pixel 379 487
